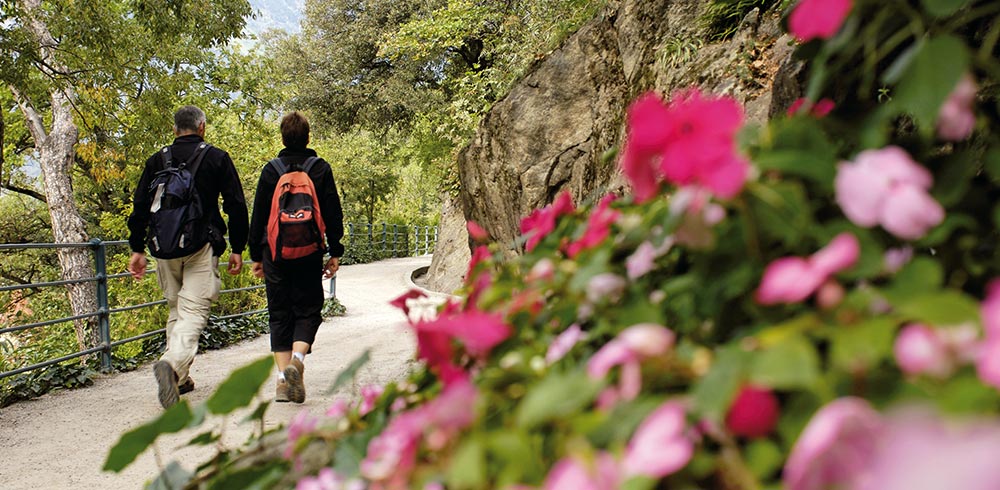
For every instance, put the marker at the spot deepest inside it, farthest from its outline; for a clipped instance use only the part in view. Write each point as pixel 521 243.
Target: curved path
pixel 60 440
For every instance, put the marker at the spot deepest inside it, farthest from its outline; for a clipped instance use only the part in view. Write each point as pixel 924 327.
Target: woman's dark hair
pixel 295 130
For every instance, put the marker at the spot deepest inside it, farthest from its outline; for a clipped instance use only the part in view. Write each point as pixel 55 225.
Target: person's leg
pixel 199 289
pixel 169 273
pixel 279 322
pixel 306 308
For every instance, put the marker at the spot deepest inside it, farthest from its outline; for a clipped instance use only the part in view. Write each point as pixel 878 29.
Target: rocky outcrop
pixel 558 128
pixel 451 254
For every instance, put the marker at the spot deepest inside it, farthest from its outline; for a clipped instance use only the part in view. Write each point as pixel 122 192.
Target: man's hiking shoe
pixel 166 380
pixel 281 391
pixel 186 387
pixel 293 379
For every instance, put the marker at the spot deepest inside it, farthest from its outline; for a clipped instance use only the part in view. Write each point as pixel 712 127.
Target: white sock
pixel 300 356
pixel 281 376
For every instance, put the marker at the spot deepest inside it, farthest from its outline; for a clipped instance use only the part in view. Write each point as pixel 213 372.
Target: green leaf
pixel 173 477
pixel 943 8
pixel 622 422
pixel 513 451
pixel 941 308
pixel 258 413
pixel 135 441
pixel 204 439
pixel 350 371
pixel 953 182
pixel 863 346
pixel 556 396
pixel 936 69
pixel 991 163
pixel 763 457
pixel 782 210
pixel 640 483
pixel 790 364
pixel 240 387
pixel 468 465
pixel 966 394
pixel 920 275
pixel 253 478
pixel 714 392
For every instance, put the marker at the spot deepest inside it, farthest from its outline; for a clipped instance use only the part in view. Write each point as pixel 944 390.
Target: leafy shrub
pixel 813 309
pixel 332 307
pixel 37 383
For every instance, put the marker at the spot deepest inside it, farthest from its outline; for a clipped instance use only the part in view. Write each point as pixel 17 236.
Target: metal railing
pixel 393 240
pixel 103 313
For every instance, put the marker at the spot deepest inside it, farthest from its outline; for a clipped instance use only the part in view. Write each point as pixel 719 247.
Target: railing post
pixel 395 229
pixel 370 239
pixel 427 237
pixel 103 323
pixel 350 233
pixel 384 238
pixel 431 250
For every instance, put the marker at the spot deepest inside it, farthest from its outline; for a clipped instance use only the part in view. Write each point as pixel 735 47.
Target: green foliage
pixel 721 18
pixel 332 307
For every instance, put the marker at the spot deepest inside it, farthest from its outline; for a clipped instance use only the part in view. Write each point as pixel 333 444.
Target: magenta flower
pixel 477 232
pixel 793 279
pixel 919 350
pixel 392 454
pixel 598 227
pixel 818 110
pixel 369 395
pixel 479 255
pixel 563 343
pixel 660 445
pixel 956 119
pixel 835 448
pixel 301 425
pixel 541 222
pixel 690 141
pixel 754 412
pixel 571 474
pixel 478 331
pixel 402 301
pixel 888 188
pixel 821 19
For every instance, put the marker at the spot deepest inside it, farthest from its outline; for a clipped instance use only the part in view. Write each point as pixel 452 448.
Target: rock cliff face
pixel 558 128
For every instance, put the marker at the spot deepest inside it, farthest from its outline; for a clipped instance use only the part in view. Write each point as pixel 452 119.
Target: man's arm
pixel 138 221
pixel 235 205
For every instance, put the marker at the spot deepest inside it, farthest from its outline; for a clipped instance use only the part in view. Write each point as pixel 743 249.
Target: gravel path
pixel 60 440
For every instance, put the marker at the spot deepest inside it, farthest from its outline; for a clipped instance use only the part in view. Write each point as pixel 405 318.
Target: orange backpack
pixel 295 227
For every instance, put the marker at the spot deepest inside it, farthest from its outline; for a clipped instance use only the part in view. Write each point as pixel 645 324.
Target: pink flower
pixel 570 474
pixel 919 350
pixel 690 141
pixel 988 362
pixel 920 450
pixel 635 343
pixel 830 294
pixel 818 18
pixel 543 270
pixel 990 309
pixel 793 279
pixel 477 232
pixel 818 110
pixel 300 426
pixel 836 446
pixel 895 258
pixel 401 301
pixel 606 286
pixel 644 258
pixel 369 395
pixel 563 343
pixel 541 222
pixel 338 409
pixel 659 446
pixel 956 119
pixel 327 479
pixel 479 255
pixel 392 454
pixel 478 331
pixel 887 187
pixel 598 227
pixel 754 412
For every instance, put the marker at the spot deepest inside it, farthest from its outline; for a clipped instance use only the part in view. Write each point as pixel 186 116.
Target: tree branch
pixel 35 124
pixel 23 191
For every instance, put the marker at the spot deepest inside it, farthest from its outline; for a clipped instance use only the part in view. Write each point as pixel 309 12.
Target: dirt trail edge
pixel 60 440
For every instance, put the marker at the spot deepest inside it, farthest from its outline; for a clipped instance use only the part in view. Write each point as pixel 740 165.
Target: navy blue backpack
pixel 177 227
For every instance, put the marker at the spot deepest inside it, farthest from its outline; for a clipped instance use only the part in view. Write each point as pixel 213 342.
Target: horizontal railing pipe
pixel 49 322
pixel 50 362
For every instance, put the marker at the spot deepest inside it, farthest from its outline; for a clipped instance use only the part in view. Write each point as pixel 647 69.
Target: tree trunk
pixel 55 153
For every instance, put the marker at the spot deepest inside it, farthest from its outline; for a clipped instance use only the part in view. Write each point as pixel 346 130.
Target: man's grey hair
pixel 188 118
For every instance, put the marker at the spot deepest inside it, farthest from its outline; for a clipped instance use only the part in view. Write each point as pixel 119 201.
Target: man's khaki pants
pixel 190 285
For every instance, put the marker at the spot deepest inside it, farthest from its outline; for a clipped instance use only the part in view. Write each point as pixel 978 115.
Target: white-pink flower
pixel 369 395
pixel 660 445
pixel 886 187
pixel 919 350
pixel 835 448
pixel 563 343
pixel 956 120
pixel 632 345
pixel 302 424
pixel 572 474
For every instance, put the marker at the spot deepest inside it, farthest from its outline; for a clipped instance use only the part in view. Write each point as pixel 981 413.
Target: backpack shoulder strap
pixel 308 164
pixel 199 155
pixel 279 166
pixel 168 157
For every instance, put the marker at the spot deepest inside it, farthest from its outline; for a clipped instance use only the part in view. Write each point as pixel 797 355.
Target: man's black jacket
pixel 326 192
pixel 216 176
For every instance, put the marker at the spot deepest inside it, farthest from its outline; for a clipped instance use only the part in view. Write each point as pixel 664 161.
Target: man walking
pixel 176 212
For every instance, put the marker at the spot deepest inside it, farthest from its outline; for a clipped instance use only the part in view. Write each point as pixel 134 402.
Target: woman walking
pixel 287 248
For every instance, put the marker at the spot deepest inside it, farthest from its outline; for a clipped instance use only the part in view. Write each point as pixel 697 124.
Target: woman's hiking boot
pixel 293 378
